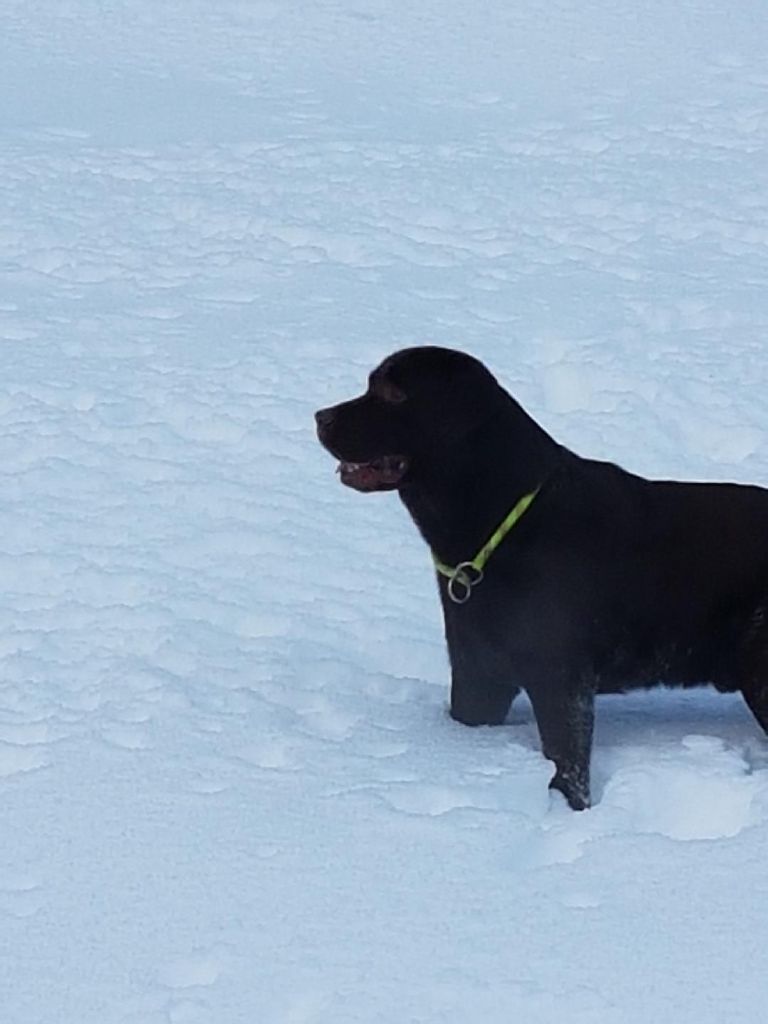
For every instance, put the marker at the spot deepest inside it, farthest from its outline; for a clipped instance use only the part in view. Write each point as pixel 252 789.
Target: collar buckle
pixel 464 577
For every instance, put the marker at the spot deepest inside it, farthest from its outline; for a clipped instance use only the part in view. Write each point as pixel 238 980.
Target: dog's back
pixel 673 577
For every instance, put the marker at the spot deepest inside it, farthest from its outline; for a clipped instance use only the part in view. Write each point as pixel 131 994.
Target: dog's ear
pixel 460 385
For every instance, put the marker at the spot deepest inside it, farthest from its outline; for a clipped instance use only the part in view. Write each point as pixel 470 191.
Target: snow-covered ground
pixel 229 790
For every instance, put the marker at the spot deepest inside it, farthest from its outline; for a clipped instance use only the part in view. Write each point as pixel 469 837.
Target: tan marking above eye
pixel 384 389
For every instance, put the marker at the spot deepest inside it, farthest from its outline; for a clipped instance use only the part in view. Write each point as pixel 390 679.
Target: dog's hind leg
pixel 752 677
pixel 755 693
pixel 566 719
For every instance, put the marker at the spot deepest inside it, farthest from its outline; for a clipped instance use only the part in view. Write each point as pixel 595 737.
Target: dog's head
pixel 418 414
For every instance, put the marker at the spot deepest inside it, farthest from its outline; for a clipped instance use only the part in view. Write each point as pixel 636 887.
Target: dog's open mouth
pixel 382 474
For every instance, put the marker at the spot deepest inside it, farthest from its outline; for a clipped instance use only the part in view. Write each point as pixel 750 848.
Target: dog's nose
pixel 324 417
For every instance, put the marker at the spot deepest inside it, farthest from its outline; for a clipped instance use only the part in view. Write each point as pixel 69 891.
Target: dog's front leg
pixel 565 717
pixel 481 693
pixel 476 700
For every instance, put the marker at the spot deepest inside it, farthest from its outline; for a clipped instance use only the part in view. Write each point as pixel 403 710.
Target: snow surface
pixel 229 788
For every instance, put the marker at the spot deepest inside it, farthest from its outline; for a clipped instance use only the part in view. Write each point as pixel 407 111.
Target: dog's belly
pixel 671 665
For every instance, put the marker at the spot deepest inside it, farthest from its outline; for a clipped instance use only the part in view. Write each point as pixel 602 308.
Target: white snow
pixel 229 789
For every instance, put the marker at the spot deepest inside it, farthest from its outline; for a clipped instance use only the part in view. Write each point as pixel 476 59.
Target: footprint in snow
pixel 198 969
pixel 269 753
pixel 382 750
pixel 23 734
pixel 20 895
pixel 126 736
pixel 702 790
pixel 705 791
pixel 162 1009
pixel 323 720
pixel 208 786
pixel 432 800
pixel 15 759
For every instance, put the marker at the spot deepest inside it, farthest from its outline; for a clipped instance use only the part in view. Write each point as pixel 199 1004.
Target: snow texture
pixel 229 788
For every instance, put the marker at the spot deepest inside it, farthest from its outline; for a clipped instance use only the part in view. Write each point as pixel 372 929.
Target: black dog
pixel 561 575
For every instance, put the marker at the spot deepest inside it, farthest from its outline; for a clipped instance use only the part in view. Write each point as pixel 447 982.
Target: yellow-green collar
pixel 466 575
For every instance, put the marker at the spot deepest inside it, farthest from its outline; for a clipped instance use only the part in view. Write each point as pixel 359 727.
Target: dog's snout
pixel 324 417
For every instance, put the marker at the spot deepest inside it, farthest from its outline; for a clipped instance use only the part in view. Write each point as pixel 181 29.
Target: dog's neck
pixel 458 510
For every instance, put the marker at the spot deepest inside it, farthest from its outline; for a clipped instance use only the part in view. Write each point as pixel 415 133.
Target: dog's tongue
pixel 378 475
pixel 360 475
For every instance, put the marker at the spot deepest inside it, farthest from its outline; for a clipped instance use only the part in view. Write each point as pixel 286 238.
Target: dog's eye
pixel 387 391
